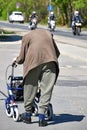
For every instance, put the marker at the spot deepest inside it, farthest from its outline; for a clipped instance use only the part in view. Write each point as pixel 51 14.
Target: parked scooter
pixel 77 28
pixel 33 24
pixel 52 25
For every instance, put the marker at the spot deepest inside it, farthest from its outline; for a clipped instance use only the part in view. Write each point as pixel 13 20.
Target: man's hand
pixel 14 60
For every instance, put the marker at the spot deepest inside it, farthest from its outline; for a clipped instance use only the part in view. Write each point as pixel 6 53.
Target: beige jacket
pixel 37 47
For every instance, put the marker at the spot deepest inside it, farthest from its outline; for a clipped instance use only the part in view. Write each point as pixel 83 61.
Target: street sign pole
pixel 50 2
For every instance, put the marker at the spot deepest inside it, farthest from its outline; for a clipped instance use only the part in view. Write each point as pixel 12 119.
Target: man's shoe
pixel 42 123
pixel 26 118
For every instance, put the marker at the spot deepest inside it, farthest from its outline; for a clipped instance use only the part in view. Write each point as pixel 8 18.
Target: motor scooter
pixel 33 24
pixel 77 28
pixel 52 25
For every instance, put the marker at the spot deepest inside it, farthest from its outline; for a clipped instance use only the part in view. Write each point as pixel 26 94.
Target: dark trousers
pixel 46 74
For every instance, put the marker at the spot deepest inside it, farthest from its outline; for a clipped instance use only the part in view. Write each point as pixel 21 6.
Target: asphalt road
pixel 58 31
pixel 69 98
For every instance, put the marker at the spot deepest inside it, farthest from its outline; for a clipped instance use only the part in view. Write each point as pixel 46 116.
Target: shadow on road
pixel 10 38
pixel 62 118
pixel 71 83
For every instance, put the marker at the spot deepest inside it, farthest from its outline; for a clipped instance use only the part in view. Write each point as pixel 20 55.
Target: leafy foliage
pixel 62 8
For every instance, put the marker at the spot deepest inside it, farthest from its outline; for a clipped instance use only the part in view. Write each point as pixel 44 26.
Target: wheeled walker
pixel 15 93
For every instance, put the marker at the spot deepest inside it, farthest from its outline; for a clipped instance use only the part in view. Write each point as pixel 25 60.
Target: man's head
pixel 76 13
pixel 34 12
pixel 52 13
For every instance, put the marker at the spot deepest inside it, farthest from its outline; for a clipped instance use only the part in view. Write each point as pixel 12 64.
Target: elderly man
pixel 39 56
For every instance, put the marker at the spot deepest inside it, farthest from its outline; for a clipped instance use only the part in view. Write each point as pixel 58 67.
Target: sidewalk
pixel 72 47
pixel 69 95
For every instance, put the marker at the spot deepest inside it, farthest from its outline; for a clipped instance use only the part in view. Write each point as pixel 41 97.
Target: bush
pixel 4 15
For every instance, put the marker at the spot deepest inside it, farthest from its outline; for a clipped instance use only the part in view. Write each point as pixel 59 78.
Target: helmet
pixel 34 12
pixel 76 13
pixel 52 13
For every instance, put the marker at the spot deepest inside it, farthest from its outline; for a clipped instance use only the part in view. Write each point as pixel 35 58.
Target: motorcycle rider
pixel 76 17
pixel 51 17
pixel 32 16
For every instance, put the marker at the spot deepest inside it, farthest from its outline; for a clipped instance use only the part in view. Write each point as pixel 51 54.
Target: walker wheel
pixel 49 113
pixel 15 114
pixel 9 111
pixel 34 110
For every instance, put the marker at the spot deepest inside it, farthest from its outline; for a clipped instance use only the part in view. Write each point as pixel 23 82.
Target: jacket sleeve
pixel 56 49
pixel 20 59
